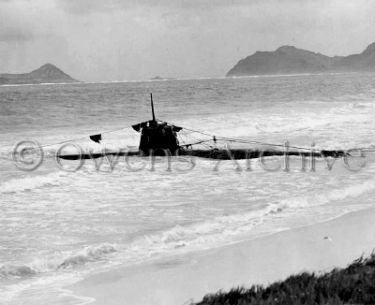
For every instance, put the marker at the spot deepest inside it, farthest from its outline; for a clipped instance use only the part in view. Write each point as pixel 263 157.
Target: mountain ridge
pixel 48 73
pixel 290 60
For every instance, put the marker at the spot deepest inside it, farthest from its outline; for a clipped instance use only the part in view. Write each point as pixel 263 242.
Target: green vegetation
pixel 352 285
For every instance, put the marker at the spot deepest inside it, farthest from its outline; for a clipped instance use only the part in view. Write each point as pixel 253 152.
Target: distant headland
pixel 291 60
pixel 47 73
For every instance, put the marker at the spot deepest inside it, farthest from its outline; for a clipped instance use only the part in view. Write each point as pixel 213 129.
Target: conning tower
pixel 157 137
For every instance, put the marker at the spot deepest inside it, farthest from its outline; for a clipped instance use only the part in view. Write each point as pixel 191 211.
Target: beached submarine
pixel 159 138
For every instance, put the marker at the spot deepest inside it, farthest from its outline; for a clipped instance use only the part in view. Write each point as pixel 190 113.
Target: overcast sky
pixel 104 40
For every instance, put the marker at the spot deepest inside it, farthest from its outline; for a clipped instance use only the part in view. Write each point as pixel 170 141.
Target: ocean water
pixel 59 225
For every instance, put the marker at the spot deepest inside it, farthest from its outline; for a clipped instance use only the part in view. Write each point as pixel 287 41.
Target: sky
pixel 116 40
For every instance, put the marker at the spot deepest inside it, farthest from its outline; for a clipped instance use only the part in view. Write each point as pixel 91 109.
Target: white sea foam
pixel 32 182
pixel 227 229
pixel 205 234
pixel 16 271
pixel 58 261
pixel 89 254
pixel 125 217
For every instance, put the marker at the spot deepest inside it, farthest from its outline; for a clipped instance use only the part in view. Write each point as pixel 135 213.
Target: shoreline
pixel 184 278
pixel 251 76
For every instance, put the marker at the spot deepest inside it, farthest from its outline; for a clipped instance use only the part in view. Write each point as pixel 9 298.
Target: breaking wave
pixel 58 262
pixel 7 271
pixel 225 229
pixel 89 254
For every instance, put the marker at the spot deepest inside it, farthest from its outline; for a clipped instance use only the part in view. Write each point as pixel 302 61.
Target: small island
pixel 291 60
pixel 47 73
pixel 160 78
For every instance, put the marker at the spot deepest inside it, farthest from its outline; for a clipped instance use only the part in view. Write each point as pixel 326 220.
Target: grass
pixel 353 285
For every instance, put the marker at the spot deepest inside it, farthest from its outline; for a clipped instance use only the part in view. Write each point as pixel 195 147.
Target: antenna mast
pixel 152 107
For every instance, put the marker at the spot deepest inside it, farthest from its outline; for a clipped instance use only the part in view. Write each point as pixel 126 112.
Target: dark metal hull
pixel 221 154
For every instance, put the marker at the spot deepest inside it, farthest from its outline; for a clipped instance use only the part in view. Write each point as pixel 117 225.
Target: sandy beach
pixel 181 279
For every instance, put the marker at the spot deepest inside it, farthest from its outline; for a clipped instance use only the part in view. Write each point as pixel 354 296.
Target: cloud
pixel 12 27
pixel 14 34
pixel 89 6
pixel 21 20
pixel 123 39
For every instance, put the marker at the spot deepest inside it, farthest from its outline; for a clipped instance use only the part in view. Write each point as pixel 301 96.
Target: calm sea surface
pixel 57 226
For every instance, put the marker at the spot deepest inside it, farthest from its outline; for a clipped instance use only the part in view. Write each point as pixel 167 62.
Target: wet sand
pixel 180 279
